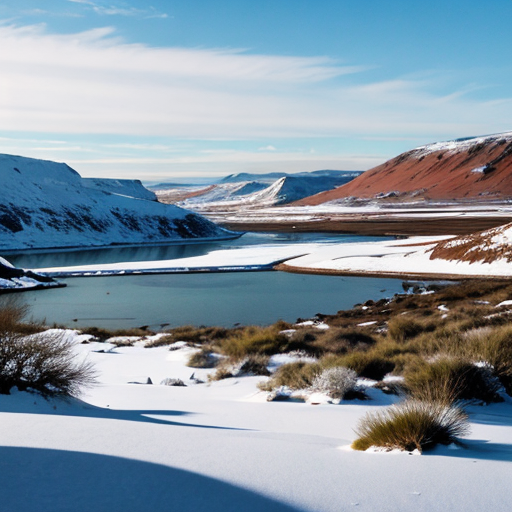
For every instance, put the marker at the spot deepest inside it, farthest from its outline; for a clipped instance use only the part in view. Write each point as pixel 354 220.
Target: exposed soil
pixel 377 225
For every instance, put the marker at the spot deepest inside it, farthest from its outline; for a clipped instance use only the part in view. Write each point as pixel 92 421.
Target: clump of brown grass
pixel 449 379
pixel 203 358
pixel 366 364
pixel 412 425
pixel 296 375
pixel 495 348
pixel 403 328
pixel 255 364
pixel 342 340
pixel 255 340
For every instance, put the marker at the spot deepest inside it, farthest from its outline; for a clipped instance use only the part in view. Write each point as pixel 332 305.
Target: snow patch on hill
pixel 461 144
pixel 46 204
pixel 486 246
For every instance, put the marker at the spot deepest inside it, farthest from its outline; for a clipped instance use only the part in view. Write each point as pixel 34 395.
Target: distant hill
pixel 46 204
pixel 234 191
pixel 129 188
pixel 475 169
pixel 273 176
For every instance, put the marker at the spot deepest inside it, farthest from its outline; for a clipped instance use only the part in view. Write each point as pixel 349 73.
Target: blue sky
pixel 155 90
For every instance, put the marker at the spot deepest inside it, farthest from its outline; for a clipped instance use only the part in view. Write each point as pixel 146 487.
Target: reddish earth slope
pixel 475 168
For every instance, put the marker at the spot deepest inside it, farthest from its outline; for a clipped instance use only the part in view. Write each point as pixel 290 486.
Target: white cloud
pixel 95 83
pixel 267 148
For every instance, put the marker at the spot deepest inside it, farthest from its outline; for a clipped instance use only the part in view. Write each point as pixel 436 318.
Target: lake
pixel 200 299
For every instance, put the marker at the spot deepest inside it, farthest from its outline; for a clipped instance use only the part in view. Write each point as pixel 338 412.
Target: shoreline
pixel 417 276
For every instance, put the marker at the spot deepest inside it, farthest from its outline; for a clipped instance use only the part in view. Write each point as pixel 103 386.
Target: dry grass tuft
pixel 449 379
pixel 411 425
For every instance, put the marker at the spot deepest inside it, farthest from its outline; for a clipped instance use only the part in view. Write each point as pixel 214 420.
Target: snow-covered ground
pixel 221 447
pixel 245 258
pixel 411 256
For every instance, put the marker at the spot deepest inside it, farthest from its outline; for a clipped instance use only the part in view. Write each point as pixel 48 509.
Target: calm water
pixel 202 299
pixel 198 299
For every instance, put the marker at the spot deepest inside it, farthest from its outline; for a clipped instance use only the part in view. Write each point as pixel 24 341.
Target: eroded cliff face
pixel 465 169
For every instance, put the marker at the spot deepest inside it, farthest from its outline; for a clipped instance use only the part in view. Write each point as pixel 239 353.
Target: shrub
pixel 495 348
pixel 336 382
pixel 190 334
pixel 202 359
pixel 365 364
pixel 343 340
pixel 449 379
pixel 296 375
pixel 43 362
pixel 12 317
pixel 411 425
pixel 254 340
pixel 403 328
pixel 250 365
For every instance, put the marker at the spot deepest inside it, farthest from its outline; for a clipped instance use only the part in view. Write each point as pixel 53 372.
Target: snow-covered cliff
pixel 46 204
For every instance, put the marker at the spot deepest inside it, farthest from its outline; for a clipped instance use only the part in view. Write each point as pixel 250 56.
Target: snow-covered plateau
pixel 129 446
pixel 45 204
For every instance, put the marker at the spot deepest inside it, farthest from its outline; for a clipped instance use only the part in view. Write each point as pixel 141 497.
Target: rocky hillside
pixel 485 246
pixel 477 168
pixel 45 204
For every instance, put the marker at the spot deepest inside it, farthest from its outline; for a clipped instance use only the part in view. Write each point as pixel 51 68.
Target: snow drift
pixel 46 204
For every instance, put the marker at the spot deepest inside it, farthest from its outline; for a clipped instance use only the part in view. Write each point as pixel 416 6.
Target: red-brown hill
pixel 464 169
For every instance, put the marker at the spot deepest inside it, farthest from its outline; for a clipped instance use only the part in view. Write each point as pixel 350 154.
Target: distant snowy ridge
pixel 129 188
pixel 46 204
pixel 460 144
pixel 231 193
pixel 273 176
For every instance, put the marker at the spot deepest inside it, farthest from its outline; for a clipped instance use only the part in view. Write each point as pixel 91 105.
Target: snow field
pixel 221 446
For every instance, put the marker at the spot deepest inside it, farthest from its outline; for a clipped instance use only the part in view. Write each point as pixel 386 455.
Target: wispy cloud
pixel 95 83
pixel 113 10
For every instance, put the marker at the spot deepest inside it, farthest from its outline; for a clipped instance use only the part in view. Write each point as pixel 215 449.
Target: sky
pixel 204 88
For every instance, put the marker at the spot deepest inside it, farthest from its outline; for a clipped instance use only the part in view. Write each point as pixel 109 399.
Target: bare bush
pixel 44 362
pixel 336 382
